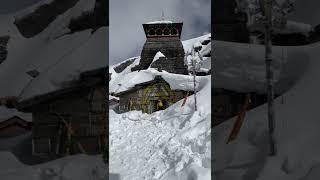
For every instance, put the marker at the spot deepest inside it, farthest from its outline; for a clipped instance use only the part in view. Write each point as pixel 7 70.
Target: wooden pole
pixel 269 74
pixel 194 81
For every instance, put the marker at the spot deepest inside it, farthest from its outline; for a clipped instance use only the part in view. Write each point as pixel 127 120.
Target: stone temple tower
pixel 163 36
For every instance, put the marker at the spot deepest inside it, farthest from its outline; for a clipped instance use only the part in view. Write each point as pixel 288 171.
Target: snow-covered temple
pixel 162 53
pixel 164 37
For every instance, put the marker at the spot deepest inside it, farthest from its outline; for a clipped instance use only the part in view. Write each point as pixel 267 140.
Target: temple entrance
pixel 157 97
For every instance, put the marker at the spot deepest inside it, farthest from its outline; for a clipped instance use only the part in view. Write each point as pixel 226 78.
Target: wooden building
pixel 145 96
pixel 70 120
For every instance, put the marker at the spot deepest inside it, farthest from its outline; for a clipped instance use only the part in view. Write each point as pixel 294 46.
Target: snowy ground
pixel 297 133
pixel 171 144
pixel 80 167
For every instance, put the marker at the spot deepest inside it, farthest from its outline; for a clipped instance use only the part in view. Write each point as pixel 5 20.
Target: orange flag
pixel 237 125
pixel 185 100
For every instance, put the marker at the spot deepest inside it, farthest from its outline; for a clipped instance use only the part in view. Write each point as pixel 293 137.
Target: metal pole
pixel 269 74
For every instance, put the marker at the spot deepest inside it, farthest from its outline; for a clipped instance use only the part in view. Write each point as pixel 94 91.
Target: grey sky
pixel 8 6
pixel 127 17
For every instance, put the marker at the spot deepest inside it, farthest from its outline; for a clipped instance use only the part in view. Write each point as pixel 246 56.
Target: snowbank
pixel 79 167
pixel 89 55
pixel 296 134
pixel 241 67
pixel 189 44
pixel 170 144
pixel 59 58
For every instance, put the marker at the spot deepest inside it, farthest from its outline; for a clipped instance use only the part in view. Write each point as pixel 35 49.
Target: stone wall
pixel 171 47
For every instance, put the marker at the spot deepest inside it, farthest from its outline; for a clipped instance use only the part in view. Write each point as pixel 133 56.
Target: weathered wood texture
pixel 145 97
pixel 83 110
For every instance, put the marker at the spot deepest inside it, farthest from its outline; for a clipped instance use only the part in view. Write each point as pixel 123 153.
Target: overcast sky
pixel 127 16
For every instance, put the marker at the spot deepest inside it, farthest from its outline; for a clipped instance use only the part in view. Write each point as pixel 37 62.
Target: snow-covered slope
pixel 79 167
pixel 241 67
pixel 170 144
pixel 57 53
pixel 296 132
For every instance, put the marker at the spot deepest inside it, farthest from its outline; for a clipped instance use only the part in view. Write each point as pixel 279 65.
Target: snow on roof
pixel 127 81
pixel 113 97
pixel 157 56
pixel 31 8
pixel 197 45
pixel 59 58
pixel 189 44
pixel 6 113
pixel 82 5
pixel 114 74
pixel 160 22
pixel 90 55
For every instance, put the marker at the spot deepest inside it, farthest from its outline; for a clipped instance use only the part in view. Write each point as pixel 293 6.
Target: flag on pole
pixel 185 99
pixel 237 125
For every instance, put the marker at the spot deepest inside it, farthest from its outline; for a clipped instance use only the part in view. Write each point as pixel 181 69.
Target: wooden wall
pixel 138 97
pixel 84 110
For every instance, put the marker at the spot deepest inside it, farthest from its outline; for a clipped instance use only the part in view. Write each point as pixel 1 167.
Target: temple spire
pixel 162 17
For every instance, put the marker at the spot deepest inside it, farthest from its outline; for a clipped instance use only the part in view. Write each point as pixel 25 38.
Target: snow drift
pixel 296 132
pixel 171 144
pixel 58 54
pixel 79 167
